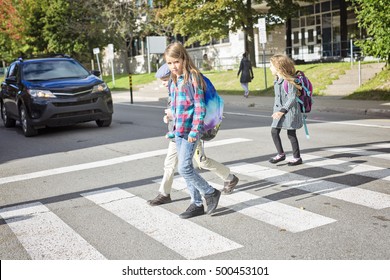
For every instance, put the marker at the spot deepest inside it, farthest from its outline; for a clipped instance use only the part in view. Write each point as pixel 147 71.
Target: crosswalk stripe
pixel 348 167
pixel 271 212
pixel 360 152
pixel 354 195
pixel 45 236
pixel 101 163
pixel 182 236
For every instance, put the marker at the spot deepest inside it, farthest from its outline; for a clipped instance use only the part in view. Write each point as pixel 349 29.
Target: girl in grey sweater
pixel 286 114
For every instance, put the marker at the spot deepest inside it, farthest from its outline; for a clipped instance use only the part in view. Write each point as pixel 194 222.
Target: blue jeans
pixel 197 186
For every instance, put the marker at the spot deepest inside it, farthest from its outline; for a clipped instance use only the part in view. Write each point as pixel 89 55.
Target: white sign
pixel 156 44
pixel 262 31
pixel 110 52
pixel 96 51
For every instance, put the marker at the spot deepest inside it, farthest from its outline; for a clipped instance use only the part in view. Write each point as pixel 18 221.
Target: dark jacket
pixel 246 69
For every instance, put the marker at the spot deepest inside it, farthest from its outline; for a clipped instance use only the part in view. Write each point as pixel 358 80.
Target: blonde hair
pixel 285 68
pixel 176 50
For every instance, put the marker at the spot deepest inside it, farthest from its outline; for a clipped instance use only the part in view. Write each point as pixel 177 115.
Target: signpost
pixel 96 51
pixel 263 40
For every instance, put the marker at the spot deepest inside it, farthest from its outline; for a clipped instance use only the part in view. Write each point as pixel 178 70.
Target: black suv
pixel 54 91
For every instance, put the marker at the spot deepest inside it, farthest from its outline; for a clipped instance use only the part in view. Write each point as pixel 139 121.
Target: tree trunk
pixel 249 35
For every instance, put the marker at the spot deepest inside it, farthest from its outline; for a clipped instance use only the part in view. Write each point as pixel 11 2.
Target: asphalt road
pixel 80 192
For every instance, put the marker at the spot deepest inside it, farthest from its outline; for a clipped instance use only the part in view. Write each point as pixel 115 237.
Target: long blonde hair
pixel 285 67
pixel 176 50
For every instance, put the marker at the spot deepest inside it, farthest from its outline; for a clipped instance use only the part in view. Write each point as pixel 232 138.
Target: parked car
pixel 55 91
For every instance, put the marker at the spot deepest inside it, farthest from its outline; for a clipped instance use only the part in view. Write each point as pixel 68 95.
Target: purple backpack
pixel 306 93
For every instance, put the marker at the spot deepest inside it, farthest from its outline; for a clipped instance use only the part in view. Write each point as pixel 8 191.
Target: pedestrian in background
pixel 188 111
pixel 286 113
pixel 246 74
pixel 170 163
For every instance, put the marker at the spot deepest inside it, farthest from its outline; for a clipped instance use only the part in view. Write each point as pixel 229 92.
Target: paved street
pixel 80 192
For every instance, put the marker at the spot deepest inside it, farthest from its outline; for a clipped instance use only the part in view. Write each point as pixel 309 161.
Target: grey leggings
pixel 292 136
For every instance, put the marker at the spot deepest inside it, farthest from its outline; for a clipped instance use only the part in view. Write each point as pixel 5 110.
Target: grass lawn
pixel 321 75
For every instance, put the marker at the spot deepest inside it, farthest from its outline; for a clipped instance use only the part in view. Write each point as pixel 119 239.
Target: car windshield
pixel 53 69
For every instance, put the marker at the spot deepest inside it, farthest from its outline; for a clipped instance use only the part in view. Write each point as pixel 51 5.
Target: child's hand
pixel 277 115
pixel 191 139
pixel 169 113
pixel 165 119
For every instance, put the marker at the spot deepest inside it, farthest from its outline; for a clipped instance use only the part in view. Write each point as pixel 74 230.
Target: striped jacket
pixel 285 102
pixel 188 107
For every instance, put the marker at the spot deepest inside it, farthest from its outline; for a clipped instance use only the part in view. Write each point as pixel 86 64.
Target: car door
pixel 9 90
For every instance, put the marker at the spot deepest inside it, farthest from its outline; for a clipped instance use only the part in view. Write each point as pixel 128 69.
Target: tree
pixel 30 27
pixel 11 28
pixel 73 27
pixel 374 18
pixel 124 21
pixel 200 20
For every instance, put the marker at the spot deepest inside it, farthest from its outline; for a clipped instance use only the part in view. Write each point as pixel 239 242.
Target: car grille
pixel 75 103
pixel 79 113
pixel 69 93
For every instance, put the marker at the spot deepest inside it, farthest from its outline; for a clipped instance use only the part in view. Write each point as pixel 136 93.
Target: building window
pixel 296 37
pixel 303 21
pixel 319 37
pixel 310 21
pixel 325 6
pixel 318 19
pixel 294 23
pixel 296 51
pixel 318 8
pixel 310 49
pixel 335 5
pixel 310 37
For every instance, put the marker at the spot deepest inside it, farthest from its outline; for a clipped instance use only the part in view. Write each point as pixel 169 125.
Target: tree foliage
pixel 373 16
pixel 124 21
pixel 53 26
pixel 200 21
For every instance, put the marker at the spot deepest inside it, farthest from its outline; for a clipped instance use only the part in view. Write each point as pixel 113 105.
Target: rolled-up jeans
pixel 197 186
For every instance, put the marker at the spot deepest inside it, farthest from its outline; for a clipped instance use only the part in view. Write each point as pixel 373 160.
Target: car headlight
pixel 100 87
pixel 41 93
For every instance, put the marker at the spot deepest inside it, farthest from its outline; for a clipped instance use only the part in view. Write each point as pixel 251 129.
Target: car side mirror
pixel 11 80
pixel 96 73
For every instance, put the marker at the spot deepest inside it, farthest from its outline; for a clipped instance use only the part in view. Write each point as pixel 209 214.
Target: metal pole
pixel 112 72
pixel 148 47
pixel 97 58
pixel 131 88
pixel 351 50
pixel 265 69
pixel 360 74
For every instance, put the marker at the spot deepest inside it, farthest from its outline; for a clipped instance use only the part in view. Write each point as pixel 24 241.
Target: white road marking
pixel 348 167
pixel 271 212
pixel 101 163
pixel 182 236
pixel 354 195
pixel 45 236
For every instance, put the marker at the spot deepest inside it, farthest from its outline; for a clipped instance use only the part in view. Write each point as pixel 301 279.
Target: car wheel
pixel 28 129
pixel 104 123
pixel 8 122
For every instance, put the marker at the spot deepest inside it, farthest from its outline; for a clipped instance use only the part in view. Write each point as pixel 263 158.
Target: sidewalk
pixel 155 92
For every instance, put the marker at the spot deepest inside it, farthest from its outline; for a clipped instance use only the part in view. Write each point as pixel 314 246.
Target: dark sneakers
pixel 277 158
pixel 212 201
pixel 192 211
pixel 160 199
pixel 228 187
